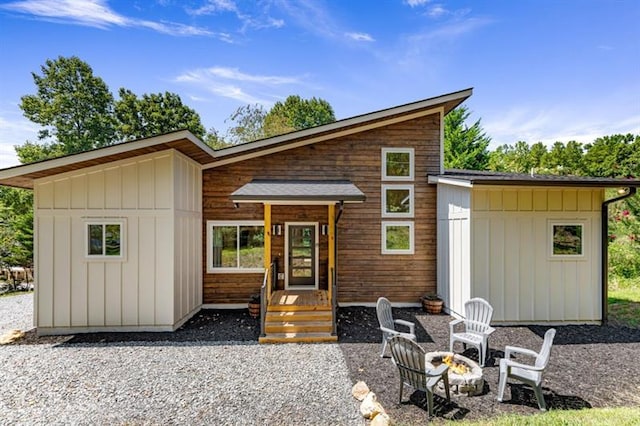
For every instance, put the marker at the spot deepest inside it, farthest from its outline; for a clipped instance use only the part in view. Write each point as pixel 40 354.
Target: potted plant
pixel 432 303
pixel 254 305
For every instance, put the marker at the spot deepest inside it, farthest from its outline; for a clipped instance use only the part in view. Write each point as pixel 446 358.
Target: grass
pixel 596 416
pixel 624 301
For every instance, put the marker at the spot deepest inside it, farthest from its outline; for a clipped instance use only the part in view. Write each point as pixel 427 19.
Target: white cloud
pixel 258 20
pixel 14 130
pixel 359 36
pixel 415 3
pixel 235 84
pixel 97 14
pixel 437 11
pixel 560 124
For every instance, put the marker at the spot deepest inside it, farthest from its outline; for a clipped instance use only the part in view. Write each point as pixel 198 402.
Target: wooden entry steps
pixel 299 316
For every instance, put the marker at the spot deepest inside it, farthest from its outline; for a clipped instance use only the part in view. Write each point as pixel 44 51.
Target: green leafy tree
pixel 253 122
pixel 154 114
pixel 564 159
pixel 74 108
pixel 296 113
pixel 464 147
pixel 613 156
pixel 516 158
pixel 16 227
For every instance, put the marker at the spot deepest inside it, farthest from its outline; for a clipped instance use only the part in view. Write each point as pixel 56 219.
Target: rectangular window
pixel 397 200
pixel 105 239
pixel 397 237
pixel 567 239
pixel 397 163
pixel 235 246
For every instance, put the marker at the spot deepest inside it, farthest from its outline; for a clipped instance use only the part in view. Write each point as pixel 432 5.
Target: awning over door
pixel 298 192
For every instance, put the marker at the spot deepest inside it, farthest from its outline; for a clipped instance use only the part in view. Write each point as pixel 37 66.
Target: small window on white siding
pixel 397 164
pixel 105 239
pixel 567 239
pixel 397 200
pixel 234 246
pixel 397 237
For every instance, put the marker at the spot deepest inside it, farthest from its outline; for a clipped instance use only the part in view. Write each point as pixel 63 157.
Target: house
pixel 141 235
pixel 535 246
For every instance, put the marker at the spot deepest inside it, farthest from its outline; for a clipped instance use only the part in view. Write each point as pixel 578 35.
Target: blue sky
pixel 542 70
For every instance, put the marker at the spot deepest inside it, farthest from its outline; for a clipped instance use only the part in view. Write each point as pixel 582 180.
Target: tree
pixel 613 156
pixel 464 147
pixel 296 113
pixel 74 107
pixel 252 122
pixel 154 114
pixel 564 159
pixel 16 227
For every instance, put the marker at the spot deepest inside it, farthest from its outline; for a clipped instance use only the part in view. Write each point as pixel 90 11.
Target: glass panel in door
pixel 302 253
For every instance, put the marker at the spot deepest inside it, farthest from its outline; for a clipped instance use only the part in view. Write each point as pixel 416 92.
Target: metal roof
pixel 475 177
pixel 23 176
pixel 302 191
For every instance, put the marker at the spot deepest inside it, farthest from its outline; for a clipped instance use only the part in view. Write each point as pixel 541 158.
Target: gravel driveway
pixel 168 382
pixel 212 371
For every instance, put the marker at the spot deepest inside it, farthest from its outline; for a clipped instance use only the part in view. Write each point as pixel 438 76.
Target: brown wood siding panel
pixel 364 273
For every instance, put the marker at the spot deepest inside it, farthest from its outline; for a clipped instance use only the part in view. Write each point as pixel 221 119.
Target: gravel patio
pixel 212 371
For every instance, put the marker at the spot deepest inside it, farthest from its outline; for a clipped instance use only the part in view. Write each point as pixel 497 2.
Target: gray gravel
pixel 162 382
pixel 16 312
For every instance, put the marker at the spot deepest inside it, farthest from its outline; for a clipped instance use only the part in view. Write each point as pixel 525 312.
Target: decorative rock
pixel 381 419
pixel 11 336
pixel 360 390
pixel 370 407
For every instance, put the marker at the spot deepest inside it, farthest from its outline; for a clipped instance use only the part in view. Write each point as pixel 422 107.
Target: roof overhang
pixel 440 104
pixel 186 143
pixel 182 141
pixel 472 178
pixel 303 192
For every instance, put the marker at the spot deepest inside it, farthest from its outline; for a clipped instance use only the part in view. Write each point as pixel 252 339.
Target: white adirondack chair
pixel 409 357
pixel 529 374
pixel 478 314
pixel 387 324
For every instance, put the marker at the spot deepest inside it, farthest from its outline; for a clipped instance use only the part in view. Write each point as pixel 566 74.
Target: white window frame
pixel 411 153
pixel 584 239
pixel 104 222
pixel 385 225
pixel 237 223
pixel 386 213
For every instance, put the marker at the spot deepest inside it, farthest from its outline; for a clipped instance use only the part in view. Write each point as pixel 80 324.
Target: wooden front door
pixel 302 255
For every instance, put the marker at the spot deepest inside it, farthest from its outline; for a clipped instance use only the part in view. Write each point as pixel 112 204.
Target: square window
pixel 397 238
pixel 235 246
pixel 397 200
pixel 104 240
pixel 567 239
pixel 397 163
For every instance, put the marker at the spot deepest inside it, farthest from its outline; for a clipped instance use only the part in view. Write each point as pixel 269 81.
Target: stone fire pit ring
pixel 471 382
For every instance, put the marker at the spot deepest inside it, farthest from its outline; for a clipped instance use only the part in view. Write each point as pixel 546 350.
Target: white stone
pixel 381 419
pixel 360 390
pixel 370 406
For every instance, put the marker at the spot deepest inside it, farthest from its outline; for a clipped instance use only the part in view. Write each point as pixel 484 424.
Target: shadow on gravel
pixel 207 326
pixel 359 324
pixel 589 334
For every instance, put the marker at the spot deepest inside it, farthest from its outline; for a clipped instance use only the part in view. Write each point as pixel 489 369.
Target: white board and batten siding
pixel 454 248
pixel 156 285
pixel 510 261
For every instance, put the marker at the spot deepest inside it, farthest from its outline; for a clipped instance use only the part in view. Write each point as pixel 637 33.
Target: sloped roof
pixel 298 191
pixel 475 177
pixel 185 142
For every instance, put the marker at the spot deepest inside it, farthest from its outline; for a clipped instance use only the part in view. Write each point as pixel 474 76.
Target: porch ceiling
pixel 298 192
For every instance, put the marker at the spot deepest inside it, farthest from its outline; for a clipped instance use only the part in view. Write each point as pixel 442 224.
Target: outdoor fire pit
pixel 465 375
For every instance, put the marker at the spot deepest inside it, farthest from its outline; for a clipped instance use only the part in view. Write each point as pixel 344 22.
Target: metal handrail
pixel 265 296
pixel 334 302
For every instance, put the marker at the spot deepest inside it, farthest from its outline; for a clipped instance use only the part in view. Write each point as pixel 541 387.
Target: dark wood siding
pixel 364 273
